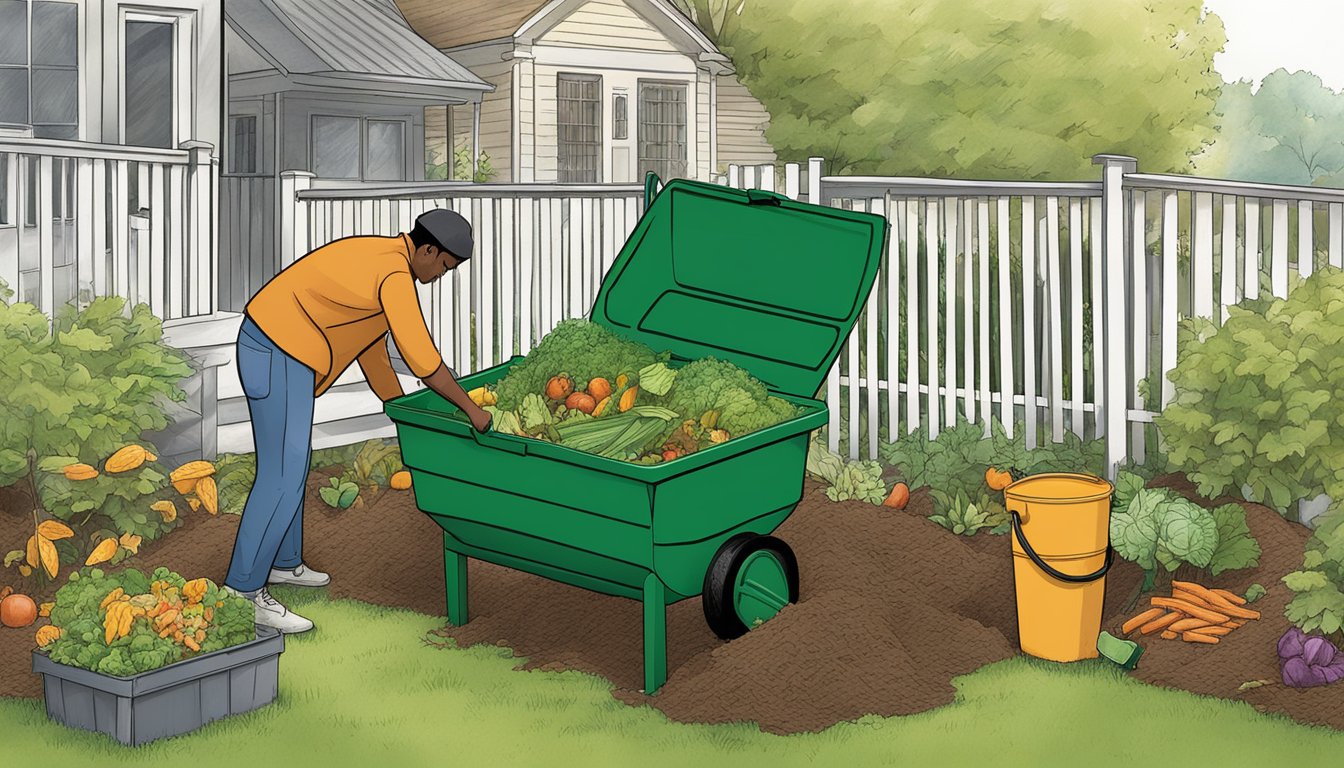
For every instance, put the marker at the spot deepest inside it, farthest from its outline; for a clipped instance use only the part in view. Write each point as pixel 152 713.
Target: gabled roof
pixel 346 40
pixel 449 25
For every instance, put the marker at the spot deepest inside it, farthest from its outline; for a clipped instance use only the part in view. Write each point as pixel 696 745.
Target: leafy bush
pixel 860 480
pixel 1318 601
pixel 1157 526
pixel 126 623
pixel 75 390
pixel 1256 400
pixel 964 517
pixel 954 464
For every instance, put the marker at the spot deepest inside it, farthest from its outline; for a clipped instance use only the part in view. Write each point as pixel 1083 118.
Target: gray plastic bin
pixel 168 701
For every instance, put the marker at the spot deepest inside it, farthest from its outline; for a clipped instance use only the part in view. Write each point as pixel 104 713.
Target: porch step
pixel 237 438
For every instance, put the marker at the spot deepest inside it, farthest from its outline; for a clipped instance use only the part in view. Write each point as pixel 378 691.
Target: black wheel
pixel 750 580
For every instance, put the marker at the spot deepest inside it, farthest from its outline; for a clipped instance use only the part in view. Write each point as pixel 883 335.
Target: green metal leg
pixel 455 584
pixel 655 634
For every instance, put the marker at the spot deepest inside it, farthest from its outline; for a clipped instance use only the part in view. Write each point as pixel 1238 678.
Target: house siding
pixel 607 24
pixel 740 123
pixel 496 118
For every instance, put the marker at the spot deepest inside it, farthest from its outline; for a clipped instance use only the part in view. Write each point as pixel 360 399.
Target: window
pixel 39 67
pixel 662 129
pixel 580 128
pixel 243 144
pixel 149 84
pixel 386 157
pixel 358 148
pixel 620 125
pixel 336 147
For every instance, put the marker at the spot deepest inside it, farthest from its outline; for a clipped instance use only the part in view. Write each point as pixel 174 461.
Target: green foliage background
pixel 1021 89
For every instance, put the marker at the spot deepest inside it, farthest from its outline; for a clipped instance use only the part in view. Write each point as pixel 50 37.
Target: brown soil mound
pixel 893 607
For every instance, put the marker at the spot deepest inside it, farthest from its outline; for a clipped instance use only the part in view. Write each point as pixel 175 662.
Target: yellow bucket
pixel 1061 552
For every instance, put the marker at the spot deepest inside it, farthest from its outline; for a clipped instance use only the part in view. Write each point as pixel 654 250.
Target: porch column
pixel 293 224
pixel 475 138
pixel 202 236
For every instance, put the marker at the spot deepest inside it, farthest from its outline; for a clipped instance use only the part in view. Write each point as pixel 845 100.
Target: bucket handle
pixel 1031 553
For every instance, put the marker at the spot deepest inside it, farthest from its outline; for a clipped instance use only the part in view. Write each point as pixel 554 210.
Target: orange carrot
pixel 1215 631
pixel 1141 619
pixel 1196 600
pixel 1169 635
pixel 1195 637
pixel 1234 623
pixel 1212 601
pixel 1162 623
pixel 1185 625
pixel 1231 597
pixel 1212 617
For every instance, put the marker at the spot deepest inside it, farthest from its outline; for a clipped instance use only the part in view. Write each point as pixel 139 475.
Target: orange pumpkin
pixel 899 497
pixel 18 610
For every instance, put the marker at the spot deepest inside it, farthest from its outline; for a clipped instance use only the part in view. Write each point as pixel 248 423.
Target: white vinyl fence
pixel 1041 304
pixel 541 252
pixel 1051 304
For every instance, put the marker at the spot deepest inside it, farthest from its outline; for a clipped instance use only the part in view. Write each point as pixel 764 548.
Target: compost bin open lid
pixel 746 276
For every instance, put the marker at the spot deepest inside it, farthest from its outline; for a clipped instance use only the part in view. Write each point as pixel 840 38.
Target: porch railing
pixel 79 220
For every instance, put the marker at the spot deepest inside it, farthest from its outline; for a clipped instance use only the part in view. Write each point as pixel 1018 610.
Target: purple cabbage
pixel 1290 645
pixel 1309 661
pixel 1318 652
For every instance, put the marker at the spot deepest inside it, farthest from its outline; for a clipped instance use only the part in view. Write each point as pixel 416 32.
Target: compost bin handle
pixel 764 197
pixel 1031 553
pixel 491 439
pixel 650 187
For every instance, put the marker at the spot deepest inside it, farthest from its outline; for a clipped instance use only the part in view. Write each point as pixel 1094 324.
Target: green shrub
pixel 1257 400
pixel 1318 601
pixel 954 464
pixel 74 390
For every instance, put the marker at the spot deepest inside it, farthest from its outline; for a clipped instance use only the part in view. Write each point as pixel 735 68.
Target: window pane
pixel 336 147
pixel 387 152
pixel 14 32
pixel 662 129
pixel 620 125
pixel 244 145
pixel 5 216
pixel 149 84
pixel 580 128
pixel 55 96
pixel 14 96
pixel 55 32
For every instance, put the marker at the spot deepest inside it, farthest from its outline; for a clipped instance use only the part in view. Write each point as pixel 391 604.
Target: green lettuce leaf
pixel 1236 546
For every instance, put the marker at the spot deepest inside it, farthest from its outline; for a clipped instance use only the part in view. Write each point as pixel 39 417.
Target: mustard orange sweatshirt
pixel 336 305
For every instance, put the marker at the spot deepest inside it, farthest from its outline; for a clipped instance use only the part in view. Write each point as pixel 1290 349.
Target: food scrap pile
pixel 586 388
pixel 1193 613
pixel 127 623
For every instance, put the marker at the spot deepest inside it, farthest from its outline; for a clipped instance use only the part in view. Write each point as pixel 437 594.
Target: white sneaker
pixel 270 613
pixel 303 576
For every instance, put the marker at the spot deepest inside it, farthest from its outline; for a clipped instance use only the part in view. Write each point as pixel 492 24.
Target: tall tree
pixel 1289 131
pixel 1016 89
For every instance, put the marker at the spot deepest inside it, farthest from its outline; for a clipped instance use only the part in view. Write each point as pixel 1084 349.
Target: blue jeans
pixel 279 393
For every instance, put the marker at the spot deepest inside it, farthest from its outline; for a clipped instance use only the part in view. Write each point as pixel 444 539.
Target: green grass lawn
pixel 366 689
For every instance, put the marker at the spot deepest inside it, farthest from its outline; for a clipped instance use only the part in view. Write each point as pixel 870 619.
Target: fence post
pixel 814 181
pixel 1115 246
pixel 201 235
pixel 292 231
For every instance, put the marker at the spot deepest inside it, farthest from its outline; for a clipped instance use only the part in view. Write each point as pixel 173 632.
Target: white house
pixel 592 91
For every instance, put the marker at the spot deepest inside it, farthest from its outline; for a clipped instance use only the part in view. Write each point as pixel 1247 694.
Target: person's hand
pixel 480 419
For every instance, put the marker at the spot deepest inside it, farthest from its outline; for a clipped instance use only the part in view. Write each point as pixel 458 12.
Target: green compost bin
pixel 748 276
